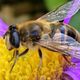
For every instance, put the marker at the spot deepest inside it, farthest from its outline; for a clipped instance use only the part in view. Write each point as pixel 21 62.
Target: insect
pixel 48 31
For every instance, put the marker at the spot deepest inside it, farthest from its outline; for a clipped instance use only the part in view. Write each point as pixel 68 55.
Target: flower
pixel 3 27
pixel 73 10
pixel 26 67
pixel 73 72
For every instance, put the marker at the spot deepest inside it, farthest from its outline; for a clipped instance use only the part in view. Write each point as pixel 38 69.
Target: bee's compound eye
pixel 15 39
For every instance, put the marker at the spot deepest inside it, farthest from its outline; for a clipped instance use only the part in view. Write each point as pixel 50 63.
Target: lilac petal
pixel 73 10
pixel 66 77
pixel 1 33
pixel 74 71
pixel 75 60
pixel 72 75
pixel 67 20
pixel 3 27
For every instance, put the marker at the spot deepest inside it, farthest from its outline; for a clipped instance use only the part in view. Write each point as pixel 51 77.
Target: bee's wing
pixel 61 43
pixel 60 13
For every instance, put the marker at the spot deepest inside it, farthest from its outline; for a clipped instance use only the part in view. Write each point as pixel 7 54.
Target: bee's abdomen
pixel 71 34
pixel 57 29
pixel 62 29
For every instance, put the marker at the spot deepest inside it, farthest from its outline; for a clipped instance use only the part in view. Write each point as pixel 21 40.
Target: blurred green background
pixel 15 11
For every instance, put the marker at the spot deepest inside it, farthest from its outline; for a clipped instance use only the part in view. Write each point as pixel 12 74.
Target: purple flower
pixel 3 27
pixel 73 10
pixel 73 72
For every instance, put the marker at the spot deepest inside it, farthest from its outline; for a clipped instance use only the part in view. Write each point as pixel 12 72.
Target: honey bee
pixel 49 31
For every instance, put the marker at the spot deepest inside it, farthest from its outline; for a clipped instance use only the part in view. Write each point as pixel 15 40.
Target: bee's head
pixel 31 32
pixel 12 37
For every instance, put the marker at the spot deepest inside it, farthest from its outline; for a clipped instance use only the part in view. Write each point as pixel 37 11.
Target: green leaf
pixel 53 4
pixel 75 21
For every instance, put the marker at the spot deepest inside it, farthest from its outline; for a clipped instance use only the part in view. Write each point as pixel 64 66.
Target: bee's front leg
pixel 17 55
pixel 16 52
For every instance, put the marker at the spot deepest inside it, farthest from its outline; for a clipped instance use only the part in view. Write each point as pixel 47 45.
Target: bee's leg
pixel 24 52
pixel 14 54
pixel 64 56
pixel 68 61
pixel 12 57
pixel 40 55
pixel 40 64
pixel 16 57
